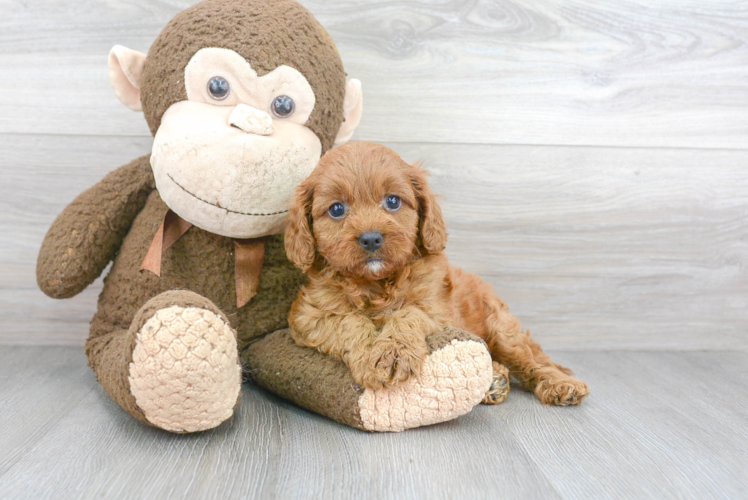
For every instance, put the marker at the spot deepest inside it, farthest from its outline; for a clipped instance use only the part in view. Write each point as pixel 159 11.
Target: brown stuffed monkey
pixel 243 97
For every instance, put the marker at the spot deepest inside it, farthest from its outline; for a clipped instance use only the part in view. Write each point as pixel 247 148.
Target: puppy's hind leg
pixel 499 389
pixel 510 345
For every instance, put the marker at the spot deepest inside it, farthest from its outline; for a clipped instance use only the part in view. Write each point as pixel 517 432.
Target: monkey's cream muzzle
pixel 240 166
pixel 224 163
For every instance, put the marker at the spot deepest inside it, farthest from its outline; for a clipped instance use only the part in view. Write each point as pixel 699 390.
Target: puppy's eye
pixel 336 210
pixel 219 88
pixel 283 106
pixel 392 202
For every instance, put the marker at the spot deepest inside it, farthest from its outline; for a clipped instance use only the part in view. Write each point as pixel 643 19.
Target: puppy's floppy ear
pixel 299 240
pixel 432 231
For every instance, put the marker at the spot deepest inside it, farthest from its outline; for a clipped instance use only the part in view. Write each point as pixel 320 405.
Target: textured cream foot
pixel 185 374
pixel 453 380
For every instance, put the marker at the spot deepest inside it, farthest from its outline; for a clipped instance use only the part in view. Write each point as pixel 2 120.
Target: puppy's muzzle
pixel 371 241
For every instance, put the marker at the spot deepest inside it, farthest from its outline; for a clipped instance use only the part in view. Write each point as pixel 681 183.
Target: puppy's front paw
pixel 561 391
pixel 392 363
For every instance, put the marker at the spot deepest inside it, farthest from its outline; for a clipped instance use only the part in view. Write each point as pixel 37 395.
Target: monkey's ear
pixel 299 240
pixel 353 107
pixel 432 230
pixel 125 74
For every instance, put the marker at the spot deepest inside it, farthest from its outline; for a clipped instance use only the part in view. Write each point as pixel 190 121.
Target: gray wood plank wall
pixel 593 156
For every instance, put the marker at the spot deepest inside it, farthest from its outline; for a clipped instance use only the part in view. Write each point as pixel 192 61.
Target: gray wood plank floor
pixel 657 425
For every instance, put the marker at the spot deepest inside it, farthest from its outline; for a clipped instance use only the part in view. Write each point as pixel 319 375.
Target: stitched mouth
pixel 224 208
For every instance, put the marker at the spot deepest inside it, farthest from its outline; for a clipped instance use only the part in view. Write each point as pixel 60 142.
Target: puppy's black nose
pixel 371 240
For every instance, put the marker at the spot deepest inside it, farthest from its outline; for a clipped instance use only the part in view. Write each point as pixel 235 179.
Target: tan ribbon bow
pixel 248 256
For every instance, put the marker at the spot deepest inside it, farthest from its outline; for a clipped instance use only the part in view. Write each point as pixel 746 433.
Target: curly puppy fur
pixel 373 308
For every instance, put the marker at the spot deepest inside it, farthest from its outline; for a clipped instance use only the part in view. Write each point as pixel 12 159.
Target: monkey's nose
pixel 371 241
pixel 251 120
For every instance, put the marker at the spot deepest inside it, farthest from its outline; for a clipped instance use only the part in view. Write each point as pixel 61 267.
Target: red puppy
pixel 367 230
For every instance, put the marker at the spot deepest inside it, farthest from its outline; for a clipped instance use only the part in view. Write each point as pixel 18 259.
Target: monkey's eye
pixel 219 88
pixel 283 106
pixel 336 210
pixel 392 202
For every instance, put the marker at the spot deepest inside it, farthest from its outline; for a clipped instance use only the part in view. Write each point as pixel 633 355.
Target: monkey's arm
pixel 84 238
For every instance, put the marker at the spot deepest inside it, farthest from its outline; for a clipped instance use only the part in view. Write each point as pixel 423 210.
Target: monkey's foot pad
pixel 185 374
pixel 453 380
pixel 499 389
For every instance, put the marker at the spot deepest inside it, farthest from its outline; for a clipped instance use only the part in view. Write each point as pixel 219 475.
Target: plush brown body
pixel 129 193
pixel 116 219
pixel 374 308
pixel 126 288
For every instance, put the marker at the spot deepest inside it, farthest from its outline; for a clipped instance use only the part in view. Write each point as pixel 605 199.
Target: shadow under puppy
pixel 368 232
